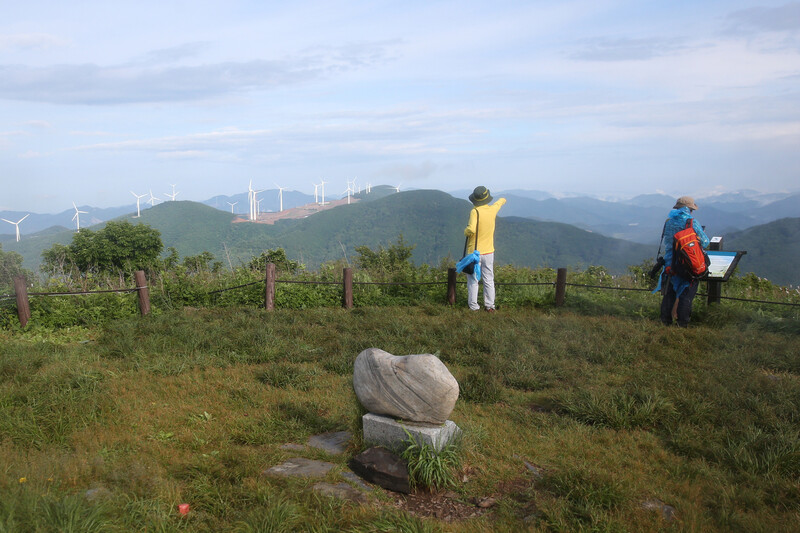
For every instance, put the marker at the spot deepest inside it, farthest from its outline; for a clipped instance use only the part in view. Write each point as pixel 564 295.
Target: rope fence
pixel 347 284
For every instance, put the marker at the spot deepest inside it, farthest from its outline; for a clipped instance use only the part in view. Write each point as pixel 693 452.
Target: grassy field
pixel 616 414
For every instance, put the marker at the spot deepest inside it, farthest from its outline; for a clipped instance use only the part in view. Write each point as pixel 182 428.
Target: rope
pixel 236 287
pixel 79 293
pixel 759 301
pixel 609 288
pixel 516 283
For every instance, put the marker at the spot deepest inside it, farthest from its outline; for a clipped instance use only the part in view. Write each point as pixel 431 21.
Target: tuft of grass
pixel 429 468
pixel 401 522
pixel 283 375
pixel 617 409
pixel 479 387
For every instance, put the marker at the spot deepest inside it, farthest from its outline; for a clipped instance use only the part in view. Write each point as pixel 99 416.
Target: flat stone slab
pixel 382 467
pixel 334 443
pixel 342 490
pixel 388 432
pixel 667 511
pixel 357 481
pixel 300 467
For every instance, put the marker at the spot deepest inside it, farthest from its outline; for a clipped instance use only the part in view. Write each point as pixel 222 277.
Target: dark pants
pixel 684 303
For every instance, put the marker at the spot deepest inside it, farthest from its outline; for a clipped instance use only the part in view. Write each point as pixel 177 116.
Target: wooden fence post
pixel 451 286
pixel 143 292
pixel 269 290
pixel 714 287
pixel 23 307
pixel 561 286
pixel 347 286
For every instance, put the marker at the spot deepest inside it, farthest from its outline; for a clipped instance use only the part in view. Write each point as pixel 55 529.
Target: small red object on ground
pixel 183 509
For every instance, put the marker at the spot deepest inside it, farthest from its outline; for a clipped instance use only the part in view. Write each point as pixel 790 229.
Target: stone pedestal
pixel 389 433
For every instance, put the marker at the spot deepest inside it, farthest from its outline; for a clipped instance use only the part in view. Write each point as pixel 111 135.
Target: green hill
pixel 772 250
pixel 433 221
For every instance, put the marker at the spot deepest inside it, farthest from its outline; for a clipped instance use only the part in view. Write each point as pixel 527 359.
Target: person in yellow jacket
pixel 481 220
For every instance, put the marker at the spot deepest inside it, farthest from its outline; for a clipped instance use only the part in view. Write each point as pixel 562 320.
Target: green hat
pixel 480 196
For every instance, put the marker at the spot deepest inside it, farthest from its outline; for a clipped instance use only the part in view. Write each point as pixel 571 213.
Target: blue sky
pixel 604 97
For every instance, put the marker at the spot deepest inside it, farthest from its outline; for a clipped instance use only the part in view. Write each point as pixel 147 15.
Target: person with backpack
pixel 685 262
pixel 480 236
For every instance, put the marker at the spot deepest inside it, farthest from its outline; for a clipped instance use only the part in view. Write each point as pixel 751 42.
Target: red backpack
pixel 689 260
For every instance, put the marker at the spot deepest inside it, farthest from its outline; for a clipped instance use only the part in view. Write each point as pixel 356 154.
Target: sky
pixel 611 98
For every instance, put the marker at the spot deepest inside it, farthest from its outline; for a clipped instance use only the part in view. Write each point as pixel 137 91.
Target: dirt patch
pixel 452 507
pixel 295 212
pixel 445 506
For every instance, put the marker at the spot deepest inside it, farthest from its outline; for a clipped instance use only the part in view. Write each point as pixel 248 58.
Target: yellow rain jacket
pixel 487 215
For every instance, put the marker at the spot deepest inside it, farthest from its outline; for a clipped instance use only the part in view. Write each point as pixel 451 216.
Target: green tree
pixel 277 256
pixel 394 259
pixel 201 263
pixel 118 247
pixel 10 267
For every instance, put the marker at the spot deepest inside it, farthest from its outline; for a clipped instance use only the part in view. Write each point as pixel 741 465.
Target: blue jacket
pixel 675 223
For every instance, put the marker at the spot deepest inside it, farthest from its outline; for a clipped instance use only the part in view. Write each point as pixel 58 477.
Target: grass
pixel 191 406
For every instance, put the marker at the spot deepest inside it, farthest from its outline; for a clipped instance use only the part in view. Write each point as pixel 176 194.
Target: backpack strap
pixel 661 240
pixel 466 241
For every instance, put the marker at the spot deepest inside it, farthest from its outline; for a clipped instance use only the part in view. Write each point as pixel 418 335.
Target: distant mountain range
pixel 638 219
pixel 433 221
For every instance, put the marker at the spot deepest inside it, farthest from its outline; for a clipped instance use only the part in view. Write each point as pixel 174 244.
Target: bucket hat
pixel 685 201
pixel 480 196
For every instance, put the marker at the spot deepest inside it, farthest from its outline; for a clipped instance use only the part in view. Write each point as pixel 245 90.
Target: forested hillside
pixel 772 250
pixel 432 221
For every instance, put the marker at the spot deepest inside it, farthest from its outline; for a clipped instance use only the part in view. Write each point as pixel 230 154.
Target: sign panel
pixel 722 264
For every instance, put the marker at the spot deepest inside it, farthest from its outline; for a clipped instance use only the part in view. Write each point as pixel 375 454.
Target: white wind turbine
pixel 232 204
pixel 258 207
pixel 397 188
pixel 316 196
pixel 16 224
pixel 77 217
pixel 173 195
pixel 138 197
pixel 152 200
pixel 322 184
pixel 349 191
pixel 280 196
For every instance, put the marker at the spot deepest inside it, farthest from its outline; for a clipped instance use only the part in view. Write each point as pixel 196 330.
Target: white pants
pixel 487 276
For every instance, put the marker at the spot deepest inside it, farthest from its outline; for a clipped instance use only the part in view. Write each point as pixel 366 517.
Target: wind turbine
pixel 77 217
pixel 349 191
pixel 152 200
pixel 138 197
pixel 258 207
pixel 17 223
pixel 316 196
pixel 397 189
pixel 322 184
pixel 173 195
pixel 232 204
pixel 280 196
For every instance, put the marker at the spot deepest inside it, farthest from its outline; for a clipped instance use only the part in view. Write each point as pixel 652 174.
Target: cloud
pixel 411 172
pixel 782 18
pixel 31 41
pixel 605 49
pixel 173 54
pixel 136 83
pixel 39 124
pixel 30 154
